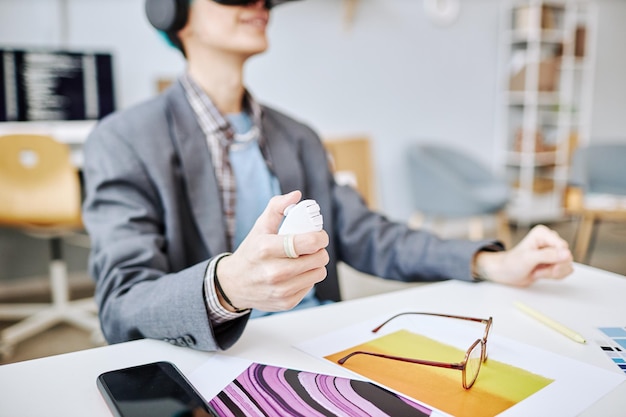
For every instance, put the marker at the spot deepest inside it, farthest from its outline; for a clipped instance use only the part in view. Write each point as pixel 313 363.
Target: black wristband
pixel 478 275
pixel 221 290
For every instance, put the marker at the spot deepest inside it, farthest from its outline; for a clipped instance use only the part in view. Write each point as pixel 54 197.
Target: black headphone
pixel 171 15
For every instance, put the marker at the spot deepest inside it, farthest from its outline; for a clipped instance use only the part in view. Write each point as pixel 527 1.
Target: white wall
pixel 393 75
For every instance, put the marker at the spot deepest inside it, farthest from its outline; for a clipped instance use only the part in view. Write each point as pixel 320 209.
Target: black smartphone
pixel 156 389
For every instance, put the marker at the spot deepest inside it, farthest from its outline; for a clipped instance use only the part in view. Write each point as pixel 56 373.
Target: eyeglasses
pixel 469 367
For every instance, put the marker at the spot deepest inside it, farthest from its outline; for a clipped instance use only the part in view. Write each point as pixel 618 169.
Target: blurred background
pixel 391 73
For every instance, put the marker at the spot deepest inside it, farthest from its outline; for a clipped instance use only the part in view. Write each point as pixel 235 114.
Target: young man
pixel 185 194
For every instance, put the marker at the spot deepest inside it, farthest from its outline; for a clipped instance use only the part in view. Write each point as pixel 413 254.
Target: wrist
pixel 477 272
pixel 482 265
pixel 222 296
pixel 485 261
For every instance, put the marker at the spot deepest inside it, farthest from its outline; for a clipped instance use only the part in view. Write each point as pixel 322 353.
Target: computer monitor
pixel 51 85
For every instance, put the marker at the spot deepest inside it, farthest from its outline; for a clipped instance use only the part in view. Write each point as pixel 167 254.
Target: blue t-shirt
pixel 256 185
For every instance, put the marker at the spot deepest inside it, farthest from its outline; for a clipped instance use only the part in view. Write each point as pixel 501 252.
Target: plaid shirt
pixel 220 136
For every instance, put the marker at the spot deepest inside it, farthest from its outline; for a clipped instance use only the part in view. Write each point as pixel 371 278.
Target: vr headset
pixel 170 16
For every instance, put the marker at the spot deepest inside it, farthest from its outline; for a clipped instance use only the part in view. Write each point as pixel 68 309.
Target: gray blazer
pixel 153 213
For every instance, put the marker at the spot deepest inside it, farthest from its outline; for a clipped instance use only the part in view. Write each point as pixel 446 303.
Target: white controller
pixel 302 218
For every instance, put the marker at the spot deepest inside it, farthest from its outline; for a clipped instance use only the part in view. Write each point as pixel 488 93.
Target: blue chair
pixel 447 183
pixel 597 191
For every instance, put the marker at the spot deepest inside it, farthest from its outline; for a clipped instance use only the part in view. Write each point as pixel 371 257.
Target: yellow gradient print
pixel 498 387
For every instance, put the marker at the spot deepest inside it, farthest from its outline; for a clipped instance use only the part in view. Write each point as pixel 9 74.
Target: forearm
pixel 163 307
pixel 371 243
pixel 170 307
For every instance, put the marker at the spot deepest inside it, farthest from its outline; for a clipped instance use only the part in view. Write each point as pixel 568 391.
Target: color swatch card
pixel 255 389
pixel 614 345
pixel 515 380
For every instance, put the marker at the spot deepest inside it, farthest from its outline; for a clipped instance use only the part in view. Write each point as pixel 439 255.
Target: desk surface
pixel 66 384
pixel 73 133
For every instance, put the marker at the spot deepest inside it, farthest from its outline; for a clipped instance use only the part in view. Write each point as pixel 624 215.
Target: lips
pixel 258 21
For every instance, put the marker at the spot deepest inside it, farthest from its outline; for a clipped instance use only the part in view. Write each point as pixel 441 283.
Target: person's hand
pixel 541 254
pixel 260 275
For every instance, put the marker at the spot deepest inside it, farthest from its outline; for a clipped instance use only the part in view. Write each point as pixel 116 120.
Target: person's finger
pixel 548 256
pixel 541 236
pixel 556 271
pixel 285 303
pixel 562 270
pixel 312 242
pixel 291 292
pixel 269 221
pixel 282 271
pixel 306 263
pixel 307 278
pixel 542 272
pixel 283 246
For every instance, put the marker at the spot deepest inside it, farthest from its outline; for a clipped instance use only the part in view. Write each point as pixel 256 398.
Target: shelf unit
pixel 547 72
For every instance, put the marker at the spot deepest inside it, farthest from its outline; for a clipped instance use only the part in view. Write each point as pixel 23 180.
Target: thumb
pixel 269 221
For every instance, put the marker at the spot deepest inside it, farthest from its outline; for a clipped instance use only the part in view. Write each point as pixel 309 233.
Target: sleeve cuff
pixel 217 313
pixel 493 247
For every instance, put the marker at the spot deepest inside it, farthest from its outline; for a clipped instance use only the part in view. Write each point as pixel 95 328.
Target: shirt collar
pixel 213 119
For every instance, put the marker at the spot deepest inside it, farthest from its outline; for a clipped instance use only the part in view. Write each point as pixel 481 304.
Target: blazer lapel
pixel 283 155
pixel 197 168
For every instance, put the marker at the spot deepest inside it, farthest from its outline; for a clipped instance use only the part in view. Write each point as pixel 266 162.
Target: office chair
pixel 596 191
pixel 447 183
pixel 40 195
pixel 351 161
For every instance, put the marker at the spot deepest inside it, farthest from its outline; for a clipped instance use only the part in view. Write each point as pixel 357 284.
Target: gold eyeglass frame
pixel 461 366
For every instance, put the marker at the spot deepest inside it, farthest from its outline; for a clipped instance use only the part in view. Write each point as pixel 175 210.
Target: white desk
pixel 65 385
pixel 73 133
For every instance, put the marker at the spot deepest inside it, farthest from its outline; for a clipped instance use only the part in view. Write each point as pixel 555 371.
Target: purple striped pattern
pixel 264 390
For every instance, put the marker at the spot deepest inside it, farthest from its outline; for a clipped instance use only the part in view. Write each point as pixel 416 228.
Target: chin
pixel 255 48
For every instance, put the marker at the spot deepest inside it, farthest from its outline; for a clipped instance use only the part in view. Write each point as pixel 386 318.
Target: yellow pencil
pixel 551 323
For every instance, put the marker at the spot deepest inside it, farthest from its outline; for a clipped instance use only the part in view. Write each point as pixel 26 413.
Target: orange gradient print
pixel 498 387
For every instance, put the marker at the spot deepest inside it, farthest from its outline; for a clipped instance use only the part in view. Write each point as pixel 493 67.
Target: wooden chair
pixel 40 194
pixel 351 161
pixel 597 191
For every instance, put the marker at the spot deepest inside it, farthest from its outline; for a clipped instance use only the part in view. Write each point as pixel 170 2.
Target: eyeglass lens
pixel 474 360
